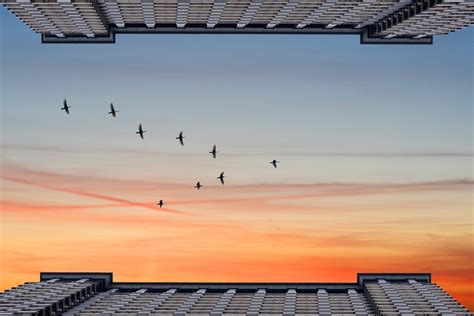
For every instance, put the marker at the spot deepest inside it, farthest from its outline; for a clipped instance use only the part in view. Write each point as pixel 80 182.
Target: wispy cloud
pixel 29 147
pixel 66 214
pixel 108 198
pixel 258 194
pixel 83 180
pixel 7 205
pixel 400 154
pixel 245 153
pixel 294 191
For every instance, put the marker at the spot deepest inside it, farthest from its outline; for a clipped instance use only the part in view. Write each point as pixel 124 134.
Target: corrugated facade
pixel 90 294
pixel 376 21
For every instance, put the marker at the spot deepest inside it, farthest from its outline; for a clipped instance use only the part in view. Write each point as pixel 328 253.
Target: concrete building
pixel 97 293
pixel 375 21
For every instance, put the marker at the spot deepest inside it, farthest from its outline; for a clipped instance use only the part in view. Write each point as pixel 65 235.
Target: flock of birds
pixel 180 137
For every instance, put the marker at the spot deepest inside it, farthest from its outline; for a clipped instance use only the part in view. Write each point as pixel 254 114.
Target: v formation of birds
pixel 180 138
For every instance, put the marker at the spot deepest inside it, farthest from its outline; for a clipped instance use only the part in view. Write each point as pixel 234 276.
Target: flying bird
pixel 221 177
pixel 112 110
pixel 140 131
pixel 161 203
pixel 198 185
pixel 65 107
pixel 214 152
pixel 274 163
pixel 181 138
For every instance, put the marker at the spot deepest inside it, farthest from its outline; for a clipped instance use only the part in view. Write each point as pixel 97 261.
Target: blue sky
pixel 249 94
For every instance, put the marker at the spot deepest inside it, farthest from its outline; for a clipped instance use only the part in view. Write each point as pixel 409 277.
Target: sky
pixel 375 144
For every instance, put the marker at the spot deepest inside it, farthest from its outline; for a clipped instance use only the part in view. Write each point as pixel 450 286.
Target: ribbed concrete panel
pixel 114 13
pixel 354 12
pixel 284 12
pixel 439 300
pixel 182 12
pixel 41 20
pixel 156 302
pixel 357 303
pixel 375 21
pixel 448 300
pixel 223 302
pixel 400 305
pixel 76 17
pixel 249 13
pixel 125 300
pixel 384 13
pixel 437 304
pixel 256 303
pixel 313 17
pixel 373 294
pixel 148 11
pixel 393 25
pixel 189 303
pixel 216 12
pixel 290 303
pixel 47 297
pixel 83 307
pixel 324 306
pixel 420 20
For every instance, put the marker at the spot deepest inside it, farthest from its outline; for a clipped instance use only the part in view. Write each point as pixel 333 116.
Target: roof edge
pixel 110 37
pixel 422 277
pixel 106 278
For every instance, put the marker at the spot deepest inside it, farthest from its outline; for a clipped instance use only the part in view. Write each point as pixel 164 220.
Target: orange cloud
pixel 108 198
pixel 243 236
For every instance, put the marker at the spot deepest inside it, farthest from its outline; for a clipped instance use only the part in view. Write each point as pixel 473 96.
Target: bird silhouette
pixel 140 131
pixel 181 138
pixel 221 177
pixel 65 107
pixel 274 163
pixel 198 186
pixel 214 152
pixel 112 110
pixel 161 203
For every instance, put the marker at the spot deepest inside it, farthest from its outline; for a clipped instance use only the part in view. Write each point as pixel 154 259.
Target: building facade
pixel 96 293
pixel 375 21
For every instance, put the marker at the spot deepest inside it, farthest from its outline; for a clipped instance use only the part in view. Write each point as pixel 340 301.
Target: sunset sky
pixel 375 144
